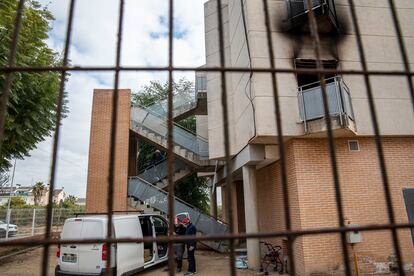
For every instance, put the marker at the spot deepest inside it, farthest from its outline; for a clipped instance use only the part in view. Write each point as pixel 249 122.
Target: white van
pixel 126 258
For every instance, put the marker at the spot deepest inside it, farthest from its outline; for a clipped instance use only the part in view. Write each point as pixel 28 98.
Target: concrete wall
pixel 313 205
pixel 393 103
pixel 99 151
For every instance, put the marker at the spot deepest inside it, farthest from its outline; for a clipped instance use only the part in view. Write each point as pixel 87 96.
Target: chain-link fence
pixel 31 222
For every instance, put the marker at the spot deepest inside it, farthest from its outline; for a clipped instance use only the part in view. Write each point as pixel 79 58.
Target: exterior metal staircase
pixel 145 193
pixel 157 174
pixel 183 105
pixel 188 146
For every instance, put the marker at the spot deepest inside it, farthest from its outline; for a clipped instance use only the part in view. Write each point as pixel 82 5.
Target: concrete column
pixel 251 215
pixel 224 205
pixel 213 202
pixel 234 201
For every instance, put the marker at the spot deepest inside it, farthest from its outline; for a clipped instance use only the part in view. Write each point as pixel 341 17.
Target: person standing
pixel 191 246
pixel 180 230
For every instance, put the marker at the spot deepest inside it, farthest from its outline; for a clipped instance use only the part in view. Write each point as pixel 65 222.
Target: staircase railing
pixel 181 104
pixel 159 171
pixel 158 199
pixel 143 118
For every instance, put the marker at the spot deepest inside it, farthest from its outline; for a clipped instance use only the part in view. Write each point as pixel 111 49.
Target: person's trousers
pixel 179 252
pixel 191 261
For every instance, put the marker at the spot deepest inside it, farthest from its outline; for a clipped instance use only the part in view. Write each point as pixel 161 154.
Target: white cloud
pixel 94 44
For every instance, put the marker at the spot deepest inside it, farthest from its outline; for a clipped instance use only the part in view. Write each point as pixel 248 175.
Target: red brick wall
pixel 99 151
pixel 271 207
pixel 313 201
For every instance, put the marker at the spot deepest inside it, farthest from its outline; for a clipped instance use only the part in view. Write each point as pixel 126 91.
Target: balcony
pixel 324 11
pixel 311 108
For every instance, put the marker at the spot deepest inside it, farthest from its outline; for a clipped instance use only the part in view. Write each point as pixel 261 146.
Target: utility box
pixel 353 236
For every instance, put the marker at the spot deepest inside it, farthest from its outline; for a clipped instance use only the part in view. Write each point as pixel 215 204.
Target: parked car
pixel 3 229
pixel 126 258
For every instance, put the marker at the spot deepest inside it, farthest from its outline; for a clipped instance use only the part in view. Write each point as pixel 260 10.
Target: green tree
pixel 39 189
pixel 33 99
pixel 192 189
pixel 70 202
pixel 17 203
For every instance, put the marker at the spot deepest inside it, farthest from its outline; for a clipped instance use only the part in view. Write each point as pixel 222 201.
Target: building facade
pixel 257 189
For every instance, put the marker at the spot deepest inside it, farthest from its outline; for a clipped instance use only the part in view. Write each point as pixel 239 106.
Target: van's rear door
pixel 69 255
pixel 90 255
pixel 129 256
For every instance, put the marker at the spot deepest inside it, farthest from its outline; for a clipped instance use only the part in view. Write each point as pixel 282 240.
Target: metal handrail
pixel 166 119
pixel 305 11
pixel 340 90
pixel 176 198
pixel 327 80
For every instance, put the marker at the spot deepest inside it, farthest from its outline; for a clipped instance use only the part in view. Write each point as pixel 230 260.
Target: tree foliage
pixel 192 189
pixel 17 203
pixel 39 189
pixel 70 202
pixel 33 99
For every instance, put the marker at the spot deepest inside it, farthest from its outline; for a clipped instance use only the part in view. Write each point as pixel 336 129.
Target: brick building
pixel 257 198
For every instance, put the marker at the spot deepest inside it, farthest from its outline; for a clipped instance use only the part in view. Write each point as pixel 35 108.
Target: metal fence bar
pixel 281 144
pixel 170 142
pixel 33 221
pixel 114 128
pixel 45 260
pixel 378 143
pixel 222 69
pixel 228 69
pixel 331 143
pixel 229 180
pixel 274 234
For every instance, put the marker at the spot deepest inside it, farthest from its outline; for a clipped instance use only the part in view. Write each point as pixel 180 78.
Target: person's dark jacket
pixel 180 229
pixel 191 230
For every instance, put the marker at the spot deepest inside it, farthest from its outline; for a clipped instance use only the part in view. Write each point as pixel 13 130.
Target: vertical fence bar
pixel 229 178
pixel 4 97
pixel 332 153
pixel 114 119
pixel 284 181
pixel 8 215
pixel 33 221
pixel 170 141
pixel 378 142
pixel 52 178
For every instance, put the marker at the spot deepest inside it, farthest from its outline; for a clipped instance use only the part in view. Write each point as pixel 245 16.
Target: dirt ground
pixel 208 263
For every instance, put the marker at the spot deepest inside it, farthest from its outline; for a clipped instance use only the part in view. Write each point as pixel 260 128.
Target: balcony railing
pixel 298 14
pixel 339 101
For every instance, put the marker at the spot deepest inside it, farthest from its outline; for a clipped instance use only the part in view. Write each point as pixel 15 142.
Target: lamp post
pixel 10 197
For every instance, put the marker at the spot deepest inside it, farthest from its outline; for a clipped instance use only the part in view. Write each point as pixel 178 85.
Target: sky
pixel 145 43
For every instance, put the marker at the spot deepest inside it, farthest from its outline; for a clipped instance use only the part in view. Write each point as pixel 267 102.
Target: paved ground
pixel 208 263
